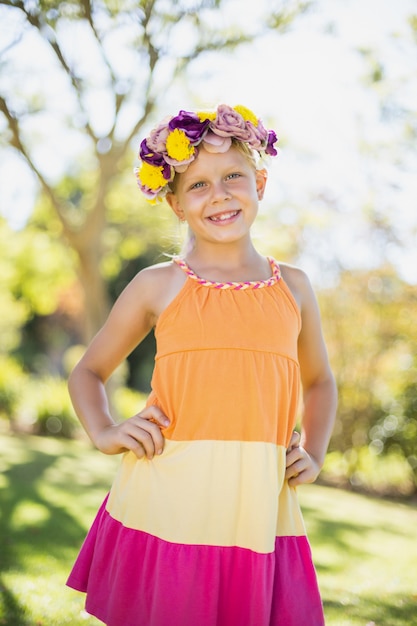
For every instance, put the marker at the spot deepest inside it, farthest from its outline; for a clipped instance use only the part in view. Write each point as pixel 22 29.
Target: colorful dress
pixel 210 533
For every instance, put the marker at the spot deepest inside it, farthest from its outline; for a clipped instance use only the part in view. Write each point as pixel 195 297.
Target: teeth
pixel 223 216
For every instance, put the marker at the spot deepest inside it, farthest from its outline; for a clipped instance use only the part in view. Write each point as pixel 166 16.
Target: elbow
pixel 322 389
pixel 72 382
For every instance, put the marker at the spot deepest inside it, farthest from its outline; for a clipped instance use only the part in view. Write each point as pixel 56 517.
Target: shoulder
pixel 299 284
pixel 155 286
pixel 155 273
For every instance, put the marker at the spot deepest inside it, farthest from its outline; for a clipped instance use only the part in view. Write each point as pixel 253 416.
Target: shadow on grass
pixel 12 613
pixel 25 536
pixel 392 610
pixel 341 535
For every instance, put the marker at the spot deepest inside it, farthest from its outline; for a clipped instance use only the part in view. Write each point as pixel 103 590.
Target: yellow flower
pixel 247 114
pixel 205 115
pixel 151 176
pixel 178 145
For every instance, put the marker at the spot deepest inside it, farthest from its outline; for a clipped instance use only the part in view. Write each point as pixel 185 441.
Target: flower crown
pixel 173 145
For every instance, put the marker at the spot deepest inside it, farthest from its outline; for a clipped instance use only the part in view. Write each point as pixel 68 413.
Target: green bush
pixel 12 382
pixel 366 469
pixel 46 408
pixel 128 402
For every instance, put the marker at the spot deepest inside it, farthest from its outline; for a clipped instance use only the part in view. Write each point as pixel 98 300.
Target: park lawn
pixel 365 552
pixel 365 549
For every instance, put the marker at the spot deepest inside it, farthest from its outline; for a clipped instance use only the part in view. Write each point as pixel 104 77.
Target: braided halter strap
pixel 255 284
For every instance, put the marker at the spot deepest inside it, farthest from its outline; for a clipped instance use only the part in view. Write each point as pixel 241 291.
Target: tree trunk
pixel 87 243
pixel 96 300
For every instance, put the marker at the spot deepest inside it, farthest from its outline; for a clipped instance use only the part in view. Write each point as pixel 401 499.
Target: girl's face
pixel 218 195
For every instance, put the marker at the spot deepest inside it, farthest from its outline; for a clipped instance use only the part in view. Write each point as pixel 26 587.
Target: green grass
pixel 50 490
pixel 365 552
pixel 365 549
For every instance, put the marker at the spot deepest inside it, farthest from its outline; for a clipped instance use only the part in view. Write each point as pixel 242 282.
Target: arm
pixel 131 319
pixel 304 461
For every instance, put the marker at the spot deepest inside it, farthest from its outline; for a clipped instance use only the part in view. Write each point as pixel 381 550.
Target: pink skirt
pixel 133 578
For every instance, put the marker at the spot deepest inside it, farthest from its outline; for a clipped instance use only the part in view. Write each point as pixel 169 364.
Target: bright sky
pixel 309 86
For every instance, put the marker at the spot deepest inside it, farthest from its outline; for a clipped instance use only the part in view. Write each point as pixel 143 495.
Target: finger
pixel 143 437
pixel 295 481
pixel 132 445
pixel 304 477
pixel 144 445
pixel 294 470
pixel 149 435
pixel 301 472
pixel 294 455
pixel 154 413
pixel 297 474
pixel 294 441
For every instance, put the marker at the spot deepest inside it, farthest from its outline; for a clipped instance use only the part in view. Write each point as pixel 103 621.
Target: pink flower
pixel 157 139
pixel 258 136
pixel 179 164
pixel 229 123
pixel 214 143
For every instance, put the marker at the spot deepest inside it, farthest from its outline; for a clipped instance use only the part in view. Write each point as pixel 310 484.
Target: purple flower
pixel 150 194
pixel 147 154
pixel 272 138
pixel 167 172
pixel 158 160
pixel 190 123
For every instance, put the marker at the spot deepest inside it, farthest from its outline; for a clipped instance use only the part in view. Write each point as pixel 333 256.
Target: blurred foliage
pixel 370 332
pixel 364 469
pixel 37 404
pixel 45 408
pixel 34 270
pixel 12 381
pixel 128 401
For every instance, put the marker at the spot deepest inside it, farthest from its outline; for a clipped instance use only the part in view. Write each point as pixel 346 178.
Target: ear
pixel 261 178
pixel 171 198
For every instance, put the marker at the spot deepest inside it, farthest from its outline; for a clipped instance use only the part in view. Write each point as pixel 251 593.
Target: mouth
pixel 227 216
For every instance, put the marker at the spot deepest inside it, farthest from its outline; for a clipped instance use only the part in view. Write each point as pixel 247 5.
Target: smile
pixel 223 217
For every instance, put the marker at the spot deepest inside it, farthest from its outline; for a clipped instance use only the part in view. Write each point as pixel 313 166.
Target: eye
pixel 233 175
pixel 197 185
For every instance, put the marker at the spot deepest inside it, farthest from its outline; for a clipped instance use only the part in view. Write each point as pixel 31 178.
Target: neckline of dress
pixel 252 284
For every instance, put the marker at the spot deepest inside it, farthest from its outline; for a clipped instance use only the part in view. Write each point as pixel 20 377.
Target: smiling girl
pixel 202 526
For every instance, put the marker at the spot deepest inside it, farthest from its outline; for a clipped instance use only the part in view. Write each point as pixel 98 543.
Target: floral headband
pixel 173 145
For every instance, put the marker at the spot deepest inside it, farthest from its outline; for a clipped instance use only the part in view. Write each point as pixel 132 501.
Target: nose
pixel 220 192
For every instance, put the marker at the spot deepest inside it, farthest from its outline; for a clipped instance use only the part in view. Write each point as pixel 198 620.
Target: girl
pixel 202 525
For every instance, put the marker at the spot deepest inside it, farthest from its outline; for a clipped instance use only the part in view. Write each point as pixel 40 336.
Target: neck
pixel 223 262
pixel 212 254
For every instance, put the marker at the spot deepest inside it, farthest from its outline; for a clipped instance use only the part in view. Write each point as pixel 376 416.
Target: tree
pixel 80 80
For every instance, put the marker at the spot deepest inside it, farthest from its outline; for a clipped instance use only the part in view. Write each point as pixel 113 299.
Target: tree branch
pixel 18 144
pixel 88 15
pixel 149 107
pixel 48 34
